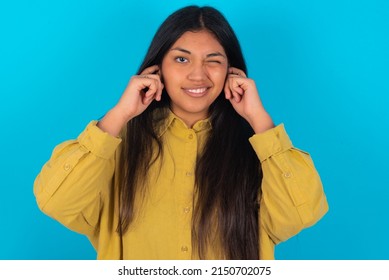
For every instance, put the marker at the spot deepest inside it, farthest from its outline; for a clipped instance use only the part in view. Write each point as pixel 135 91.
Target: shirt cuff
pixel 271 142
pixel 98 142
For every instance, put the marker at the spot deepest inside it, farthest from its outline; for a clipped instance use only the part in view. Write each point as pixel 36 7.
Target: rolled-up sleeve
pixel 292 196
pixel 70 184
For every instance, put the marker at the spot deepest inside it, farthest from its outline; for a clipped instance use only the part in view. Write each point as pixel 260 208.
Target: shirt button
pixel 287 175
pixel 186 210
pixel 190 136
pixel 67 167
pixel 188 174
pixel 184 249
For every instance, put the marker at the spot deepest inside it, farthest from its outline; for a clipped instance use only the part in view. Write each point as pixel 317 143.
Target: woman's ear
pixel 228 72
pixel 159 72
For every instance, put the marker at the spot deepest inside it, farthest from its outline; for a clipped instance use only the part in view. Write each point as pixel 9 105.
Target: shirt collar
pixel 172 121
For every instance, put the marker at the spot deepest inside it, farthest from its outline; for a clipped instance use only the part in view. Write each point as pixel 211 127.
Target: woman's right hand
pixel 140 92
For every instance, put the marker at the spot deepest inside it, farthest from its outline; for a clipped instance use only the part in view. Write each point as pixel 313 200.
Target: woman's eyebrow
pixel 181 50
pixel 208 55
pixel 216 54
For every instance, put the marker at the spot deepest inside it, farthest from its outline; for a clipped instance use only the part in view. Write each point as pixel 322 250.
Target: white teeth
pixel 197 90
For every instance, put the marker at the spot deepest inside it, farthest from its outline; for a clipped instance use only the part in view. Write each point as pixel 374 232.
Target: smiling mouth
pixel 196 92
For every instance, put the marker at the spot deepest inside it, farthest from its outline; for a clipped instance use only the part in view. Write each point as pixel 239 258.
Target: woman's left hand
pixel 243 95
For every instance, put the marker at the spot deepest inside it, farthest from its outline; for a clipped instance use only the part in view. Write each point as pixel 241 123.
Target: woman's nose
pixel 197 72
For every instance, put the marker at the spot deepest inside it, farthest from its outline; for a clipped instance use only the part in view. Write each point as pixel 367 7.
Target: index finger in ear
pixel 237 71
pixel 150 70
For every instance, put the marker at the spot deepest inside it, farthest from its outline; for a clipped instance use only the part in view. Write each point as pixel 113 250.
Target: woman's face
pixel 194 71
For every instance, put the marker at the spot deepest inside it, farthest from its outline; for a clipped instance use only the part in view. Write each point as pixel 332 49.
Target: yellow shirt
pixel 78 187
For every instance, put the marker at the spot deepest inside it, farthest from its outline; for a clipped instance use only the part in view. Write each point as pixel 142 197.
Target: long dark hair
pixel 228 173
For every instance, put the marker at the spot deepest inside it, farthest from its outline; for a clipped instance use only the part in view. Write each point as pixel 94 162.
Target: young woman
pixel 188 164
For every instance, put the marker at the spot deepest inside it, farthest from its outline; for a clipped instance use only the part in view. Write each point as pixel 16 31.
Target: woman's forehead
pixel 198 41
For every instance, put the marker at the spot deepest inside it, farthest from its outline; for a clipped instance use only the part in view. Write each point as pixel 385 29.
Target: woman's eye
pixel 181 59
pixel 214 61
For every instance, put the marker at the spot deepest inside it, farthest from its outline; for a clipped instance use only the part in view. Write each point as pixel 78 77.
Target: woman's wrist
pixel 261 122
pixel 113 122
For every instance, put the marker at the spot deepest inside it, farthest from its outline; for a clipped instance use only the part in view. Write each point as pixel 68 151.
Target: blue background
pixel 321 68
